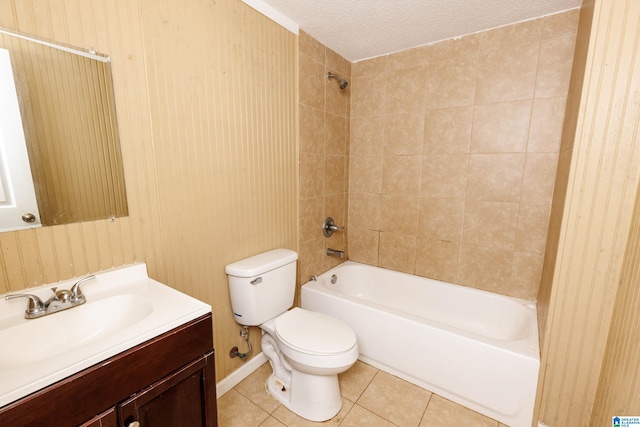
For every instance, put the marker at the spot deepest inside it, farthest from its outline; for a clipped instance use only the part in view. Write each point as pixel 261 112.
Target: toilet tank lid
pixel 261 263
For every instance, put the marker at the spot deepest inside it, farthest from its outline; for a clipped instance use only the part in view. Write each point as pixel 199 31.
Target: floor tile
pixel 288 418
pixel 395 400
pixel 254 388
pixel 444 413
pixel 272 422
pixel 236 410
pixel 359 417
pixel 355 380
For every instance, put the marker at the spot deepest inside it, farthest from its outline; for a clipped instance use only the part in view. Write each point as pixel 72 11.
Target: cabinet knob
pixel 133 424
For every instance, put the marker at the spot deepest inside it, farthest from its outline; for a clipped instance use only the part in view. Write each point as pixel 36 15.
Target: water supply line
pixel 244 333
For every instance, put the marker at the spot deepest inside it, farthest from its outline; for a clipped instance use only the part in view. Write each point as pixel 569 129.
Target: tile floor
pixel 371 398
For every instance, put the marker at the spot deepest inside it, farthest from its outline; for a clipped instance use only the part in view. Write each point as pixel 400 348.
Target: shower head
pixel 343 83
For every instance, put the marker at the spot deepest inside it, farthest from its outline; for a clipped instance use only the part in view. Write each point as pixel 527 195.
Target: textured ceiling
pixel 361 29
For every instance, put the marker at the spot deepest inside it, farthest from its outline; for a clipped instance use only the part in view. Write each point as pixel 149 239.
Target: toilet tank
pixel 263 286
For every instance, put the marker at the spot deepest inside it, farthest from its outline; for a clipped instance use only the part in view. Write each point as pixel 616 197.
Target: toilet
pixel 306 350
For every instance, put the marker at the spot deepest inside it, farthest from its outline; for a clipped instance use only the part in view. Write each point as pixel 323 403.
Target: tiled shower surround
pixel 452 152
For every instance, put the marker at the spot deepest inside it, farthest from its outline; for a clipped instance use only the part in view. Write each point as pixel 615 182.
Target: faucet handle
pixel 76 292
pixel 35 306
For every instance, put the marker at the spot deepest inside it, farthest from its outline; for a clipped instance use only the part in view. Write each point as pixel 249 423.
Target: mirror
pixel 66 102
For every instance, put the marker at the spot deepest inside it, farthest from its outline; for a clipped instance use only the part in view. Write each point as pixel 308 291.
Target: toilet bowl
pixel 306 350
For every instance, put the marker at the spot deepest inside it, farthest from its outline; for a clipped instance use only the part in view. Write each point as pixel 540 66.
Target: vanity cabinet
pixel 166 381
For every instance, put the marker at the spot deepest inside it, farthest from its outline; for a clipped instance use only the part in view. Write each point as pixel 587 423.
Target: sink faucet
pixel 60 300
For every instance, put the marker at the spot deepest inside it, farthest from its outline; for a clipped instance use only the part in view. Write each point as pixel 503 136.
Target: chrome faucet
pixel 336 253
pixel 60 300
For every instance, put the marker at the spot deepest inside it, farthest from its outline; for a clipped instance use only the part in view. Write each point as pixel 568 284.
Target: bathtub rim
pixel 528 347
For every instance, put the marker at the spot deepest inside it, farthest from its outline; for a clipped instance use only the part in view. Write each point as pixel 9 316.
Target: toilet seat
pixel 314 333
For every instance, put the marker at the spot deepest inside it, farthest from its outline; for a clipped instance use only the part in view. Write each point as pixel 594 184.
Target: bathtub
pixel 473 347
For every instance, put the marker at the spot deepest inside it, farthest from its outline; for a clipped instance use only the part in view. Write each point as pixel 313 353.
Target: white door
pixel 18 207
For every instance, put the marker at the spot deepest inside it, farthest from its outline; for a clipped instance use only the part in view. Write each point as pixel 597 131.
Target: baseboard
pixel 239 374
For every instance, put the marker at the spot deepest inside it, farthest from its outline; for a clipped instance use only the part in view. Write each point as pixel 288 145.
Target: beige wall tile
pixel 368 95
pixel 495 177
pixel 364 210
pixel 311 130
pixel 367 135
pixel 311 175
pixel 311 47
pixel 444 176
pixel 437 259
pixel 554 68
pixel 363 245
pixel 401 175
pixel 501 128
pixel 511 35
pixel 312 85
pixel 465 46
pixel 490 224
pixel 408 58
pixel 399 214
pixel 441 219
pixel 334 174
pixel 452 82
pixel 508 74
pixel 335 134
pixel 365 174
pixel 404 133
pixel 485 268
pixel 337 64
pixel 525 275
pixel 335 206
pixel 369 66
pixel 484 162
pixel 531 235
pixel 397 252
pixel 448 130
pixel 547 119
pixel 561 24
pixel 337 100
pixel 539 178
pixel 311 216
pixel 406 90
pixel 311 258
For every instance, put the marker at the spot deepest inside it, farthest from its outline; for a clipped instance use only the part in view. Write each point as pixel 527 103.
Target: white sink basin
pixel 124 308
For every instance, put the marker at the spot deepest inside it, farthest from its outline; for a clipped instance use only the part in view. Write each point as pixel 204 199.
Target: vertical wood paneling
pixel 222 94
pixel 50 254
pixel 596 220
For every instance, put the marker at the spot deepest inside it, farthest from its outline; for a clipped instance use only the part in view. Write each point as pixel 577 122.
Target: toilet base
pixel 314 397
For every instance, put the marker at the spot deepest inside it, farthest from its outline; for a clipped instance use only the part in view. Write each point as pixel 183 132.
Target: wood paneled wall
pixel 206 93
pixel 601 181
pixel 68 115
pixel 223 102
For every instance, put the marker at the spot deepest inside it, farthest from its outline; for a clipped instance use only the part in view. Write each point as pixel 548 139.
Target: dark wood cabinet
pixel 166 381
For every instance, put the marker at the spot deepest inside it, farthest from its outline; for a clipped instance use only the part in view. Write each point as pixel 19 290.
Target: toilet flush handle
pixel 256 281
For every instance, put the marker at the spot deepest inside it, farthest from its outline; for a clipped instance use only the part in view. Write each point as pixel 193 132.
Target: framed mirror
pixel 68 117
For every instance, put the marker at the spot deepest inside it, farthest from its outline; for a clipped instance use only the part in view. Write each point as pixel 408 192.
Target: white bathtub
pixel 473 347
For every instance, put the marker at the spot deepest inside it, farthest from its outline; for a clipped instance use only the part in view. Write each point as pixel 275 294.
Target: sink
pixel 39 339
pixel 124 308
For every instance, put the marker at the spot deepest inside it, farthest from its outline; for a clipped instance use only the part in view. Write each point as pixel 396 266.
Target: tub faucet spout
pixel 336 253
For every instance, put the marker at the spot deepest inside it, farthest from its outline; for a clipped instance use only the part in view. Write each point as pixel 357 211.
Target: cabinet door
pixel 107 419
pixel 184 398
